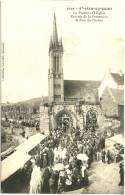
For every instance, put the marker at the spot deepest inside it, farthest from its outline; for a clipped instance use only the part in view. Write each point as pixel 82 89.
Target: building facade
pixel 111 95
pixel 70 103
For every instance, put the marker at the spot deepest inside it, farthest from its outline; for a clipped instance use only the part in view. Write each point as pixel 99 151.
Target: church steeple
pixel 55 34
pixel 55 74
pixel 55 42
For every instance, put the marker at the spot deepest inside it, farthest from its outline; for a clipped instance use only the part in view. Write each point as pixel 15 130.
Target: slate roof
pixel 118 95
pixel 81 89
pixel 119 79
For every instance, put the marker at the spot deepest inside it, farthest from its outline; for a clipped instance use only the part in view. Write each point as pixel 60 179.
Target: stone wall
pixel 44 119
pixel 114 114
pixel 109 106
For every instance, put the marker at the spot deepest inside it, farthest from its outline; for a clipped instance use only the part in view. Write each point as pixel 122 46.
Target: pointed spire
pixel 55 34
pixel 55 43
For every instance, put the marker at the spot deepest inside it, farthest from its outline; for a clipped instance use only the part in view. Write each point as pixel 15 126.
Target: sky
pixel 90 49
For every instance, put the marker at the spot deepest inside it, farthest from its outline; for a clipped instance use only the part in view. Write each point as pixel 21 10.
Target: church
pixel 70 103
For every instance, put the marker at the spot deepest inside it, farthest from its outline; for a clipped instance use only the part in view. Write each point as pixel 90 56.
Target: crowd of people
pixel 63 161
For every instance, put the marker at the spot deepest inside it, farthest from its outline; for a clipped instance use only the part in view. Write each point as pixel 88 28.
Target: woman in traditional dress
pixel 36 179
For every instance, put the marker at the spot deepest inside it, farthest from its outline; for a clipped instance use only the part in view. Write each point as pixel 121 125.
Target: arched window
pixel 57 63
pixel 54 63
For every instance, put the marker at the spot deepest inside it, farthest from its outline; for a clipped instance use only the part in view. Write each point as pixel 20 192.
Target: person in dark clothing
pixel 74 181
pixel 50 157
pixel 90 155
pixel 86 179
pixel 38 160
pixel 108 155
pixel 44 162
pixel 102 143
pixel 51 171
pixel 46 176
pixel 56 176
pixel 121 172
pixel 78 164
pixel 62 184
pixel 52 184
pixel 103 155
pixel 89 163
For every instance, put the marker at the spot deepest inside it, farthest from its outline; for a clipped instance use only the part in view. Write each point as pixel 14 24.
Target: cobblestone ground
pixel 103 179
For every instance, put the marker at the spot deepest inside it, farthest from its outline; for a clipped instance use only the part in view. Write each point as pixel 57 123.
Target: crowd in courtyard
pixel 63 161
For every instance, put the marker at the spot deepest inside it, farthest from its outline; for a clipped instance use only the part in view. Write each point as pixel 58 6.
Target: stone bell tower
pixel 55 73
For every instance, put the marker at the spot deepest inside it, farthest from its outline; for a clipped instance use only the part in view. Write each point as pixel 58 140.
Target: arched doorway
pixel 64 120
pixel 91 119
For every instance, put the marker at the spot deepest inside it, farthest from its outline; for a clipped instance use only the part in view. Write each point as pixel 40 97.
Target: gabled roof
pixel 119 79
pixel 118 95
pixel 81 89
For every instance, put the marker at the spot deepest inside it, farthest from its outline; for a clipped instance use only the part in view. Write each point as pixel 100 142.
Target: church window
pixel 57 64
pixel 57 85
pixel 57 96
pixel 54 63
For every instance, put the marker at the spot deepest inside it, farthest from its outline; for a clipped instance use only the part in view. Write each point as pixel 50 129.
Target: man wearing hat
pixel 121 172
